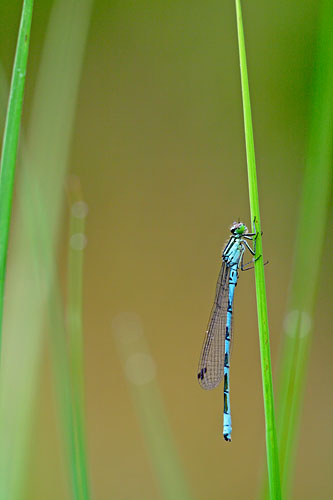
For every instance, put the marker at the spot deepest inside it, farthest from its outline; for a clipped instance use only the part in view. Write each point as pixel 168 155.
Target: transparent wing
pixel 211 364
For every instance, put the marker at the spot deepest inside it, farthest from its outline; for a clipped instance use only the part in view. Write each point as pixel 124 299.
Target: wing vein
pixel 211 363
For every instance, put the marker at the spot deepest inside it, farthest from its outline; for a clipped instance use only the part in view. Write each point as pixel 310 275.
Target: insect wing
pixel 211 364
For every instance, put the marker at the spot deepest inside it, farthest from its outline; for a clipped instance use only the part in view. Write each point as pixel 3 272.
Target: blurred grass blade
pixel 311 231
pixel 68 367
pixel 62 380
pixel 44 163
pixel 10 141
pixel 271 438
pixel 71 425
pixel 61 374
pixel 140 371
pixel 77 244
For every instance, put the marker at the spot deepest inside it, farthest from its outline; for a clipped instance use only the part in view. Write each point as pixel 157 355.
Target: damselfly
pixel 214 361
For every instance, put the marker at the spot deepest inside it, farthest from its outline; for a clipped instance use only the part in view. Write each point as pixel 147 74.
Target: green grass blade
pixel 10 141
pixel 67 373
pixel 74 324
pixel 271 438
pixel 314 210
pixel 44 164
pixel 61 374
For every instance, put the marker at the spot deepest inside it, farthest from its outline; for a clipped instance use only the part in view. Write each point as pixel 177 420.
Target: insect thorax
pixel 233 251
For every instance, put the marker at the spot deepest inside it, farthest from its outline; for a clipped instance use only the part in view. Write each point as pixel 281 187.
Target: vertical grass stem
pixel 77 244
pixel 10 141
pixel 271 438
pixel 310 238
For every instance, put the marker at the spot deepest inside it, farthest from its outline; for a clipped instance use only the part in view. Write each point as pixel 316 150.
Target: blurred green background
pixel 158 146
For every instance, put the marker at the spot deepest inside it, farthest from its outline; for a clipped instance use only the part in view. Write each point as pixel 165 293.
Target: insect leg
pixel 253 251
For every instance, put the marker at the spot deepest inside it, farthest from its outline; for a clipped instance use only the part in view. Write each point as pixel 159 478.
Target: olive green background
pixel 159 148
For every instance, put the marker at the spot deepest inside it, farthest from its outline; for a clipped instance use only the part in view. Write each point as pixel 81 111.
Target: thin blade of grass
pixel 44 163
pixel 271 438
pixel 58 343
pixel 68 375
pixel 77 243
pixel 10 141
pixel 61 374
pixel 313 216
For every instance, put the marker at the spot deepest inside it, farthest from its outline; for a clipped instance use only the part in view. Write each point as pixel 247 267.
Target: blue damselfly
pixel 214 361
